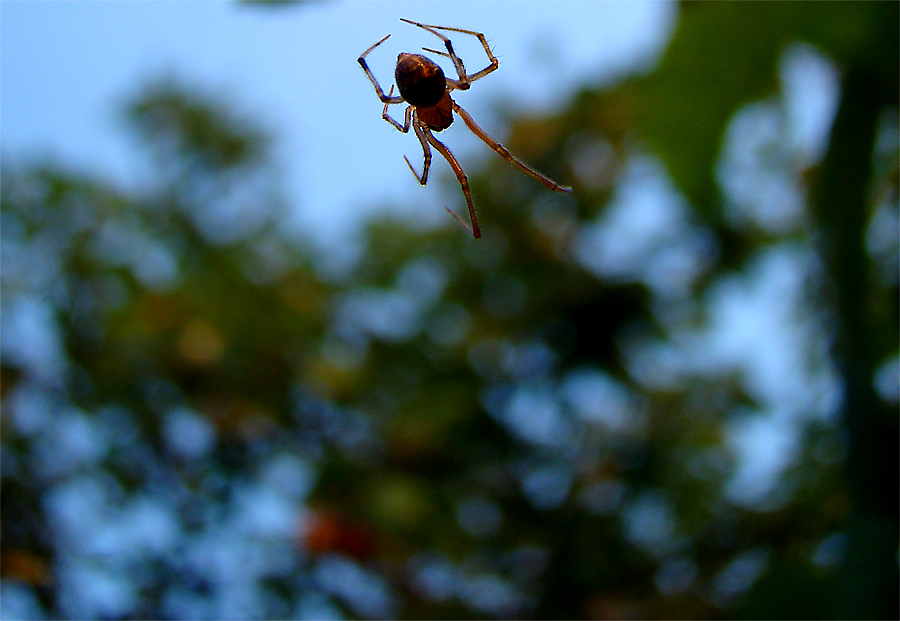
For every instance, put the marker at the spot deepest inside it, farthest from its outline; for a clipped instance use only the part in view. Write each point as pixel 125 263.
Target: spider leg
pixel 426 151
pixel 406 117
pixel 387 99
pixel 501 150
pixel 462 84
pixel 463 181
pixel 464 79
pixel 428 49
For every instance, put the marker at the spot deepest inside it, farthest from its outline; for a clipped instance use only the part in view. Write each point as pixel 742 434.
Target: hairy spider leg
pixel 463 181
pixel 501 150
pixel 387 99
pixel 464 79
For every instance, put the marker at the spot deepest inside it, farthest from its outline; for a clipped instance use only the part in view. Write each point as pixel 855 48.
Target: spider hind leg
pixel 505 154
pixel 463 182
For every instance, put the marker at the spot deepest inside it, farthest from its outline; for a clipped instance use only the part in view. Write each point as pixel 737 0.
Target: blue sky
pixel 67 67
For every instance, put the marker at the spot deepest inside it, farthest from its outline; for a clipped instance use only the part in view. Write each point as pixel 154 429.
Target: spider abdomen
pixel 421 82
pixel 438 117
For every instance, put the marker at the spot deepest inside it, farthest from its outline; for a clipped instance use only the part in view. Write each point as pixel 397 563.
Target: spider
pixel 423 86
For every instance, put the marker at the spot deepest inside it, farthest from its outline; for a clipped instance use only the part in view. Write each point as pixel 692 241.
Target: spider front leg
pixel 465 80
pixel 362 62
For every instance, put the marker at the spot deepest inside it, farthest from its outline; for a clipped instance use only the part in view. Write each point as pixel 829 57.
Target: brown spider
pixel 424 87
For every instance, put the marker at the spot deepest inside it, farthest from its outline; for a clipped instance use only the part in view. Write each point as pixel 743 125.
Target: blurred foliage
pixel 726 54
pixel 198 423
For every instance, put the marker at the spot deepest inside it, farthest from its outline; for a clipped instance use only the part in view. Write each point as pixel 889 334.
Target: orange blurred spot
pixel 326 531
pixel 200 343
pixel 24 566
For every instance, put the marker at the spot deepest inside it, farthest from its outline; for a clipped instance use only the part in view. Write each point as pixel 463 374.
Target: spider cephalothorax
pixel 420 80
pixel 423 85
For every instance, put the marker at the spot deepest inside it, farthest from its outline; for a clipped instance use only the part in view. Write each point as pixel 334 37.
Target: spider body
pixel 437 117
pixel 420 80
pixel 424 87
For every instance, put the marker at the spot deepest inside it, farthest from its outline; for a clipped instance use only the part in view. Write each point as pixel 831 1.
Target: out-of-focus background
pixel 251 369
